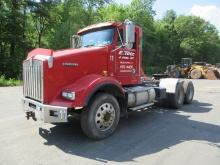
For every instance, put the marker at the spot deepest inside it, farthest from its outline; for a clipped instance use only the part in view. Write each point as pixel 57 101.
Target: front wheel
pixel 101 117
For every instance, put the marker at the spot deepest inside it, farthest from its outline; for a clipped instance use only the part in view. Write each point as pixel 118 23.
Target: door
pixel 125 63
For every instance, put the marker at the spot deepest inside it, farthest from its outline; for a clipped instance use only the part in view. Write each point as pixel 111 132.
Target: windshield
pixel 97 38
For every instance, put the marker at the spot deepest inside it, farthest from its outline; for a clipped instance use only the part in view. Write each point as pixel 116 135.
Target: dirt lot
pixel 159 136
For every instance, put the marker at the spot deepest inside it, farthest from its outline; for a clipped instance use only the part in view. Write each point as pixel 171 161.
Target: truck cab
pixel 100 77
pixel 123 61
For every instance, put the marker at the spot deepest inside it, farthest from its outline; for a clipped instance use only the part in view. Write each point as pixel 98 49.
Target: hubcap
pixel 105 116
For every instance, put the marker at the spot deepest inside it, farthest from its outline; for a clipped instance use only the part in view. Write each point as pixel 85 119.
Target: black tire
pixel 189 94
pixel 176 100
pixel 90 116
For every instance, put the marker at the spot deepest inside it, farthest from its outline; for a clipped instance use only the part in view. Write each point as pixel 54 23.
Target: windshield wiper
pixel 89 45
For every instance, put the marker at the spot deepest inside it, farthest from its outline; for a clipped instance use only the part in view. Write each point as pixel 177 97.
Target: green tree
pixel 40 12
pixel 169 17
pixel 168 44
pixel 73 15
pixel 185 36
pixel 12 38
pixel 198 38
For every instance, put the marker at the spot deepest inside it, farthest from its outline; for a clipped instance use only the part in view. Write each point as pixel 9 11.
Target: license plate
pixel 33 106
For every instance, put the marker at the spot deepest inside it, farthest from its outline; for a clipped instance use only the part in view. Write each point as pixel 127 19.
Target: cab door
pixel 126 64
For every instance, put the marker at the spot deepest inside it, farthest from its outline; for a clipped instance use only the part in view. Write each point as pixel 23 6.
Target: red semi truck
pixel 100 78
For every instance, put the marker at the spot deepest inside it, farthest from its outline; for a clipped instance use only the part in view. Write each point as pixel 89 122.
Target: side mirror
pixel 75 41
pixel 129 34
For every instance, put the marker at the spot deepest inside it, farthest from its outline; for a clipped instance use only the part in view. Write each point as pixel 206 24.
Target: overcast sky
pixel 207 9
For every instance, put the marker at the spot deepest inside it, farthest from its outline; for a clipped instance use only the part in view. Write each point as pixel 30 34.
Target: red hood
pixel 39 51
pixel 59 53
pixel 80 51
pixel 91 60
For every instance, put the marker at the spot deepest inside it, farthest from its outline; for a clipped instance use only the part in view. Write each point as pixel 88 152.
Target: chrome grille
pixel 33 79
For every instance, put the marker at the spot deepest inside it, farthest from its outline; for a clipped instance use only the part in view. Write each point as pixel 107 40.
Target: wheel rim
pixel 105 116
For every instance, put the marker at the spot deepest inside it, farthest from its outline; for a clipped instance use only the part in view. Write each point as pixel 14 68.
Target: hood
pixel 70 65
pixel 78 51
pixel 39 52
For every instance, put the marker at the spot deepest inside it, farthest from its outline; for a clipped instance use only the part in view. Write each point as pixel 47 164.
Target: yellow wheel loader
pixel 195 70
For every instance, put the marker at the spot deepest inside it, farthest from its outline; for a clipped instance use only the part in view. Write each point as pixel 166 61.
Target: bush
pixel 8 82
pixel 154 70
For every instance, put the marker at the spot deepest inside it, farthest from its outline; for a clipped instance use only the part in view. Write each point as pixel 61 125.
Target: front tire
pixel 100 119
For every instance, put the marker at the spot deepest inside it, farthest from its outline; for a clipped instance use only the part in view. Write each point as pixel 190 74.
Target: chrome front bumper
pixel 43 112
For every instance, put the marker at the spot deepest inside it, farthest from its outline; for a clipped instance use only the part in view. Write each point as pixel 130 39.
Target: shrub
pixel 9 82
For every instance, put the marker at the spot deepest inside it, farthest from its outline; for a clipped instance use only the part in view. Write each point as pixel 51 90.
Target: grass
pixel 9 82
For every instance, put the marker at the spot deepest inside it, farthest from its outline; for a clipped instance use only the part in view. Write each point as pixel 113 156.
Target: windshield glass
pixel 97 38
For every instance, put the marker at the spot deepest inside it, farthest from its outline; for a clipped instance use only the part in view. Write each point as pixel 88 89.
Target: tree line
pixel 27 24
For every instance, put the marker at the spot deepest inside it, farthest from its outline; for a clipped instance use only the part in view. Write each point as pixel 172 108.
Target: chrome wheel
pixel 105 116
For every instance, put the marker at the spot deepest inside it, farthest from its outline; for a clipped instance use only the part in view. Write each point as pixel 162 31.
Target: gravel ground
pixel 189 136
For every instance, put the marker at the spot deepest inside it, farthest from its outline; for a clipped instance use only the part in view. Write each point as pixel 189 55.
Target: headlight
pixel 69 95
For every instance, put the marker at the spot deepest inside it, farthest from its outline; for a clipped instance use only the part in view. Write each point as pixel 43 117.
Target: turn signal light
pixel 105 73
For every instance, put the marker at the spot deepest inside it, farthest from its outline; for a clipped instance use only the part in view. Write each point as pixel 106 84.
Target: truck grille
pixel 33 79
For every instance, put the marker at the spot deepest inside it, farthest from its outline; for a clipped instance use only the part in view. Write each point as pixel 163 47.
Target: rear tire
pixel 101 117
pixel 175 100
pixel 196 74
pixel 189 92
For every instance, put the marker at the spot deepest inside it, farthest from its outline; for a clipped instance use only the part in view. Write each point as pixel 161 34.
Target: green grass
pixel 9 82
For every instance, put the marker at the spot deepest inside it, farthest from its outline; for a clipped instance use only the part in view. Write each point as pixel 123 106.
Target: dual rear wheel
pixel 184 94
